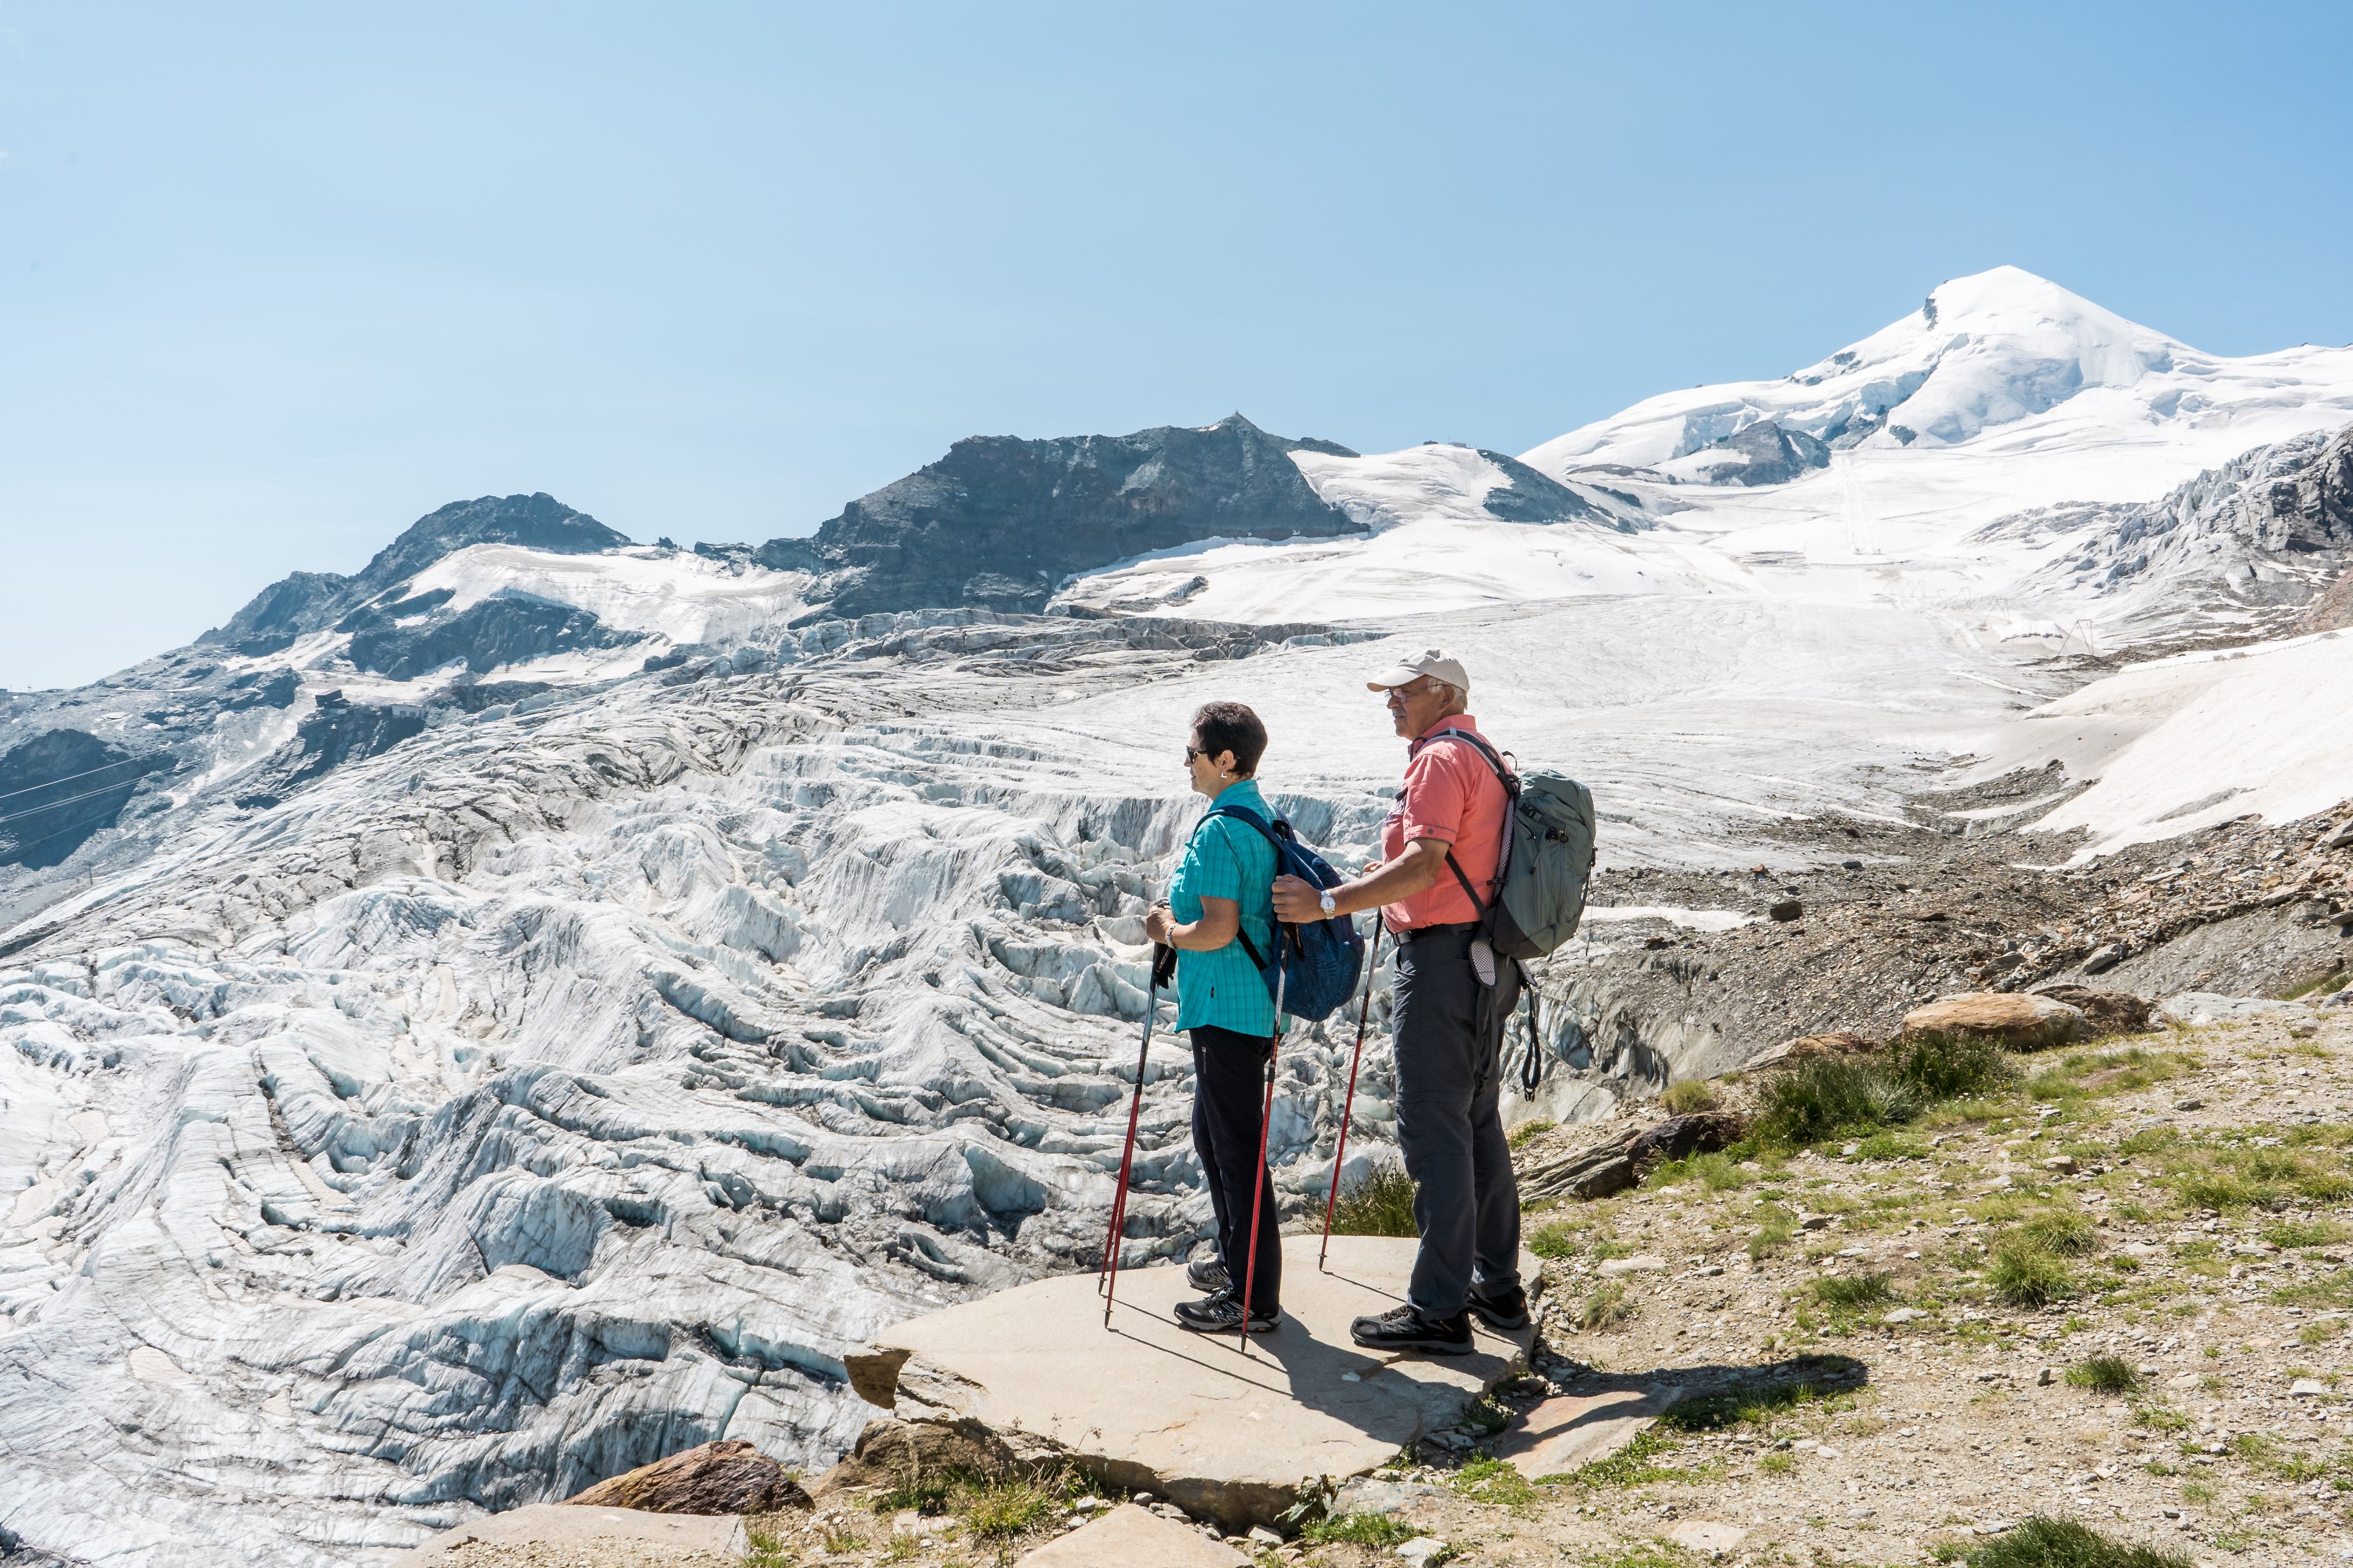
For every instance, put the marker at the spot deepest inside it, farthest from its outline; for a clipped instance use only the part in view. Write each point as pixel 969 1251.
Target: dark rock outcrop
pixel 507 628
pixel 1532 497
pixel 61 787
pixel 337 732
pixel 726 1476
pixel 1000 522
pixel 1766 454
pixel 307 602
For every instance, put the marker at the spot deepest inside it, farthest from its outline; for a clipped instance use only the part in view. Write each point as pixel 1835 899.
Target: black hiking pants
pixel 1448 1031
pixel 1228 1104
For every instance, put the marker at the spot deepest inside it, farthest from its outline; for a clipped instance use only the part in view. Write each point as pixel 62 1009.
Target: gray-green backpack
pixel 1547 857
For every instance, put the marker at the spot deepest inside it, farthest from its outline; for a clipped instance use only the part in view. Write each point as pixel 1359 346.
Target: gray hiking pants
pixel 1450 1034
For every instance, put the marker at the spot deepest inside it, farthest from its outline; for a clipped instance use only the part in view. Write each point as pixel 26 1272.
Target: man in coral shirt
pixel 1443 843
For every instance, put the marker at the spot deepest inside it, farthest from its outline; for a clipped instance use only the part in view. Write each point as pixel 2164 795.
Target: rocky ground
pixel 1858 921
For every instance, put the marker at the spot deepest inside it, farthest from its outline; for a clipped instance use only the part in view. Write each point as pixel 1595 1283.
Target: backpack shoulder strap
pixel 1504 775
pixel 1244 813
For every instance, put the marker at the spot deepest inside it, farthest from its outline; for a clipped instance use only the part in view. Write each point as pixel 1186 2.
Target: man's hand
pixel 1386 883
pixel 1297 902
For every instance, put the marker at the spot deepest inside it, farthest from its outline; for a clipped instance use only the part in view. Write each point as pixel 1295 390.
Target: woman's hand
pixel 1157 923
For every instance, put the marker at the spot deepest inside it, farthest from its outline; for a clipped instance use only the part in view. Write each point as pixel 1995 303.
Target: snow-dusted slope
pixel 2003 393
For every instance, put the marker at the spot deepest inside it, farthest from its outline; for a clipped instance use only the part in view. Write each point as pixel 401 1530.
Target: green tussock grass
pixel 2045 1543
pixel 1682 1099
pixel 1604 1307
pixel 2104 1374
pixel 1528 1133
pixel 1854 1290
pixel 1495 1481
pixel 2025 1278
pixel 1381 1203
pixel 1860 1096
pixel 1377 1532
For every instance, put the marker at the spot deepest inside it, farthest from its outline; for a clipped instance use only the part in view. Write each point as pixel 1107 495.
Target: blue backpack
pixel 1314 966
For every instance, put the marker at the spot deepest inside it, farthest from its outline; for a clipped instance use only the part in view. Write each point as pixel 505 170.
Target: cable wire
pixel 70 778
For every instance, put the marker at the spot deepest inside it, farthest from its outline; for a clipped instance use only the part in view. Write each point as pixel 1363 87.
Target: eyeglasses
pixel 1193 756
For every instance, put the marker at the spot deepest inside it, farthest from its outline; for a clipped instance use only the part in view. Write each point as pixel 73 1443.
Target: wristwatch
pixel 1325 900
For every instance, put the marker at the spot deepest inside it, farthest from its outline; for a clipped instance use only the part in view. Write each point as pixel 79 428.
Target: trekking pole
pixel 1348 1108
pixel 1107 1277
pixel 1265 1120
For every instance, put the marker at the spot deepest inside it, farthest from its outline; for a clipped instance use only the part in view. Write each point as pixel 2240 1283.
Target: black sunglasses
pixel 1191 753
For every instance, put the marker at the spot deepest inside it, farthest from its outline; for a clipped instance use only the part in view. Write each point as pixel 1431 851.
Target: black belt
pixel 1412 932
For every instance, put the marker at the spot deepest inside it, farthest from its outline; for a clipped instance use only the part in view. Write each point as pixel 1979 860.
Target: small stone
pixel 2063 1164
pixel 2306 1388
pixel 1851 1150
pixel 1815 1221
pixel 1905 1315
pixel 2145 1369
pixel 2169 1511
pixel 1788 909
pixel 1644 1263
pixel 1261 1535
pixel 2046 1377
pixel 2190 1102
pixel 2100 960
pixel 1088 1505
pixel 1421 1550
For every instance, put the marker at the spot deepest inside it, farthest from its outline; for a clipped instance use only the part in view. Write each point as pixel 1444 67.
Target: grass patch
pixel 1758 1408
pixel 1777 1464
pixel 1682 1099
pixel 2025 1278
pixel 2304 1233
pixel 771 1548
pixel 1854 1291
pixel 2329 1291
pixel 1637 1464
pixel 1004 1511
pixel 1604 1307
pixel 1775 1228
pixel 2045 1543
pixel 1715 1173
pixel 2061 1234
pixel 1494 1480
pixel 2103 1374
pixel 1378 1532
pixel 1558 1239
pixel 2335 980
pixel 1858 1096
pixel 1378 1204
pixel 1528 1133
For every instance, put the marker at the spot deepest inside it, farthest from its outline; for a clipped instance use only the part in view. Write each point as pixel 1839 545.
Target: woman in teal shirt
pixel 1221 894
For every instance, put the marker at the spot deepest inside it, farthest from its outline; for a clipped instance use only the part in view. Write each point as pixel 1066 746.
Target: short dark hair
pixel 1231 726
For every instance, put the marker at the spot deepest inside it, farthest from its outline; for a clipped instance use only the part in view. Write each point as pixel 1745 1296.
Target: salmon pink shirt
pixel 1452 794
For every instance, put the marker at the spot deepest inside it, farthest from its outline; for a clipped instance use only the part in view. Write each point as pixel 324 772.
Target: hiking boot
pixel 1222 1314
pixel 1502 1312
pixel 1209 1274
pixel 1407 1328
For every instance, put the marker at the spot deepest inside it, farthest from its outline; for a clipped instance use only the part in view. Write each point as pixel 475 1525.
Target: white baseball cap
pixel 1429 661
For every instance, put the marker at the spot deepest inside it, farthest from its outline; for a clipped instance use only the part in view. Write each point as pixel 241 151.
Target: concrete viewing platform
pixel 1147 1405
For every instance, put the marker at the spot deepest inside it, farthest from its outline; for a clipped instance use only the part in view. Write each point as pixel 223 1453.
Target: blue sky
pixel 277 280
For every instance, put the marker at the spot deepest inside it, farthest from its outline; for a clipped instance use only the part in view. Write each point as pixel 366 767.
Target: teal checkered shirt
pixel 1227 859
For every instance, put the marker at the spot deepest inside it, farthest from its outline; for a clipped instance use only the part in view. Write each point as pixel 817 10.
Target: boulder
pixel 2104 1012
pixel 1837 1043
pixel 889 1451
pixel 2021 1023
pixel 726 1476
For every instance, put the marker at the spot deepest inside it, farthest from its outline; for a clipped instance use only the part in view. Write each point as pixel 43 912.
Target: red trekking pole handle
pixel 1348 1108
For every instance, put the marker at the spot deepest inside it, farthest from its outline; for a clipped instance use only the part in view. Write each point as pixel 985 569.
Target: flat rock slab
pixel 1132 1537
pixel 1147 1405
pixel 1570 1431
pixel 562 1524
pixel 1707 1535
